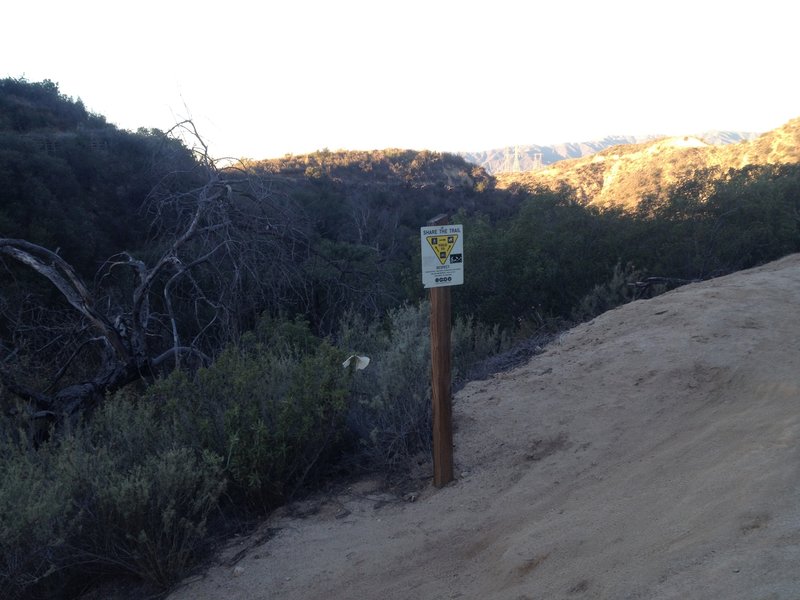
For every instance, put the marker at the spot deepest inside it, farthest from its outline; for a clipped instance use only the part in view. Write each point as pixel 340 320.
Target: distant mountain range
pixel 516 159
pixel 622 175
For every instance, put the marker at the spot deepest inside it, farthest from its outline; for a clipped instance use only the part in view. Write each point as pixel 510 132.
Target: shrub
pixel 117 495
pixel 272 407
pixel 391 411
pixel 144 500
pixel 35 518
pixel 130 490
pixel 603 297
pixel 472 343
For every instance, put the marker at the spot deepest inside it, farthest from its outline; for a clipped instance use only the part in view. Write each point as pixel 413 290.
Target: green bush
pixel 36 518
pixel 272 407
pixel 391 411
pixel 472 343
pixel 603 297
pixel 130 490
pixel 117 495
pixel 143 515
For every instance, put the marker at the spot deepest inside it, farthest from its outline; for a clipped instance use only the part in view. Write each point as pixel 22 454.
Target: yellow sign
pixel 442 245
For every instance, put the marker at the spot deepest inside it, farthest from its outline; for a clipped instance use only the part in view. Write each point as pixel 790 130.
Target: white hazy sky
pixel 262 79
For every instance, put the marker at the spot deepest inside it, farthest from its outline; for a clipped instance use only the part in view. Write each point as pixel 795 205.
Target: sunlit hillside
pixel 534 157
pixel 624 175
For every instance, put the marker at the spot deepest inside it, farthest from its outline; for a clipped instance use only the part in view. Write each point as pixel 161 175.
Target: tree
pixel 217 250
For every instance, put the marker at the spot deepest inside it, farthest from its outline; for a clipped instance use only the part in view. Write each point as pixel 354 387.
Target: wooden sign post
pixel 440 387
pixel 442 267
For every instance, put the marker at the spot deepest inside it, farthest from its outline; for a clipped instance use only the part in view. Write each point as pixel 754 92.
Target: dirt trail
pixel 651 453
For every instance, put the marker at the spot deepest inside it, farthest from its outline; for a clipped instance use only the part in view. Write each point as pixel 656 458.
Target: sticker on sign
pixel 442 255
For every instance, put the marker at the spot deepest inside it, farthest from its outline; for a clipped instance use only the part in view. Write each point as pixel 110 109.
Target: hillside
pixel 623 175
pixel 653 452
pixel 534 157
pixel 378 168
pixel 70 180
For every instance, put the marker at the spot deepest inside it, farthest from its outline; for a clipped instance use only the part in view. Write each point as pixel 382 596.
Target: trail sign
pixel 442 255
pixel 442 266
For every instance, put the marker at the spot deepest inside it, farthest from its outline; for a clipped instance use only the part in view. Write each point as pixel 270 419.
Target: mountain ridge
pixel 530 157
pixel 623 175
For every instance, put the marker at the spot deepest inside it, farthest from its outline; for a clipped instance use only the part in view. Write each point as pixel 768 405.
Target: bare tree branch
pixel 64 278
pixel 224 249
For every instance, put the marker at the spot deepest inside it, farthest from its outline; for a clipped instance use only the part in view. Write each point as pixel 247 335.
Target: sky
pixel 261 79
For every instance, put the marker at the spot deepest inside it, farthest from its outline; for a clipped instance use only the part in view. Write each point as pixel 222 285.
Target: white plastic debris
pixel 361 362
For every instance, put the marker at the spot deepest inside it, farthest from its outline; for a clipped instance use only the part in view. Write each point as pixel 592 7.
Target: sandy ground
pixel 651 453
